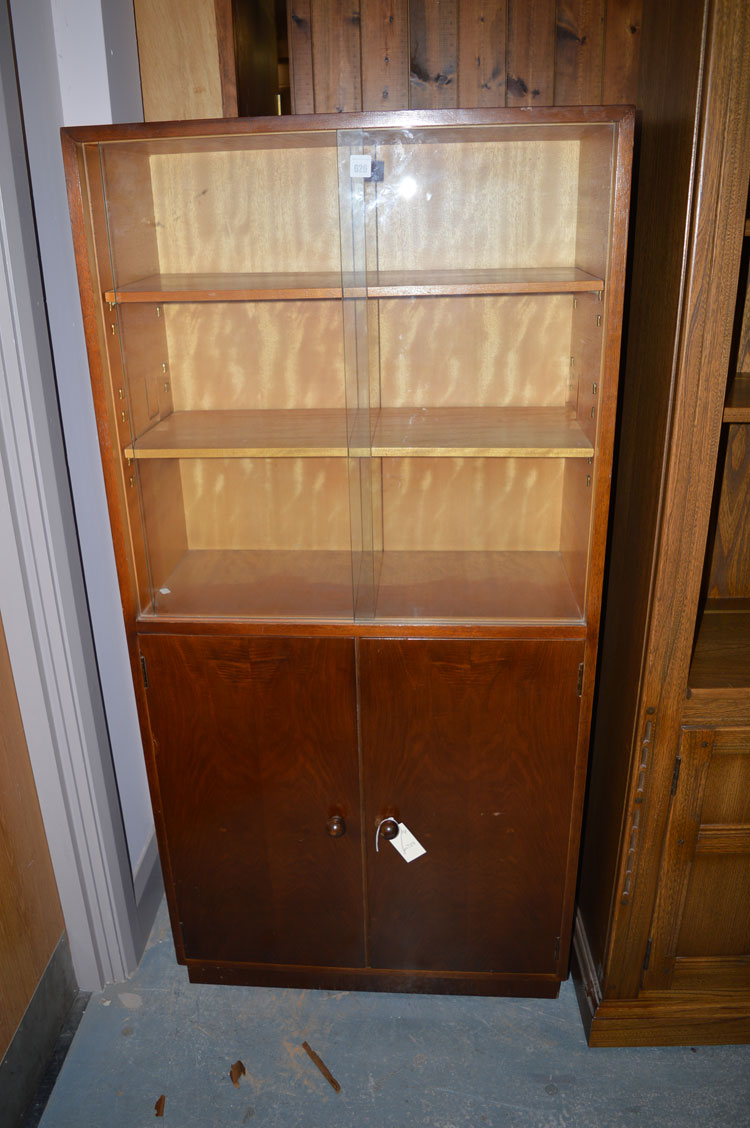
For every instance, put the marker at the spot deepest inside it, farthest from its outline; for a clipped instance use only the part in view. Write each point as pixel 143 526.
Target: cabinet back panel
pixel 473 206
pixel 237 355
pixel 283 217
pixel 730 562
pixel 726 798
pixel 475 504
pixel 288 503
pixel 594 201
pixel 718 891
pixel 484 351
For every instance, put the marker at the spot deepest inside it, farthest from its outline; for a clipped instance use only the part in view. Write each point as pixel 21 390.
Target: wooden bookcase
pixel 663 925
pixel 356 379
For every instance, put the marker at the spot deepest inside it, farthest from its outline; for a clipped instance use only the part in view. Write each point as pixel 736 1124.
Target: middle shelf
pixel 434 432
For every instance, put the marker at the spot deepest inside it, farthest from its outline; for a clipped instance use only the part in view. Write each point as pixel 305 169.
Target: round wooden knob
pixel 389 828
pixel 336 826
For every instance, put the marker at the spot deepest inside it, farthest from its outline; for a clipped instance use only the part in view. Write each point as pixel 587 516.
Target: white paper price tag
pixel 360 165
pixel 406 844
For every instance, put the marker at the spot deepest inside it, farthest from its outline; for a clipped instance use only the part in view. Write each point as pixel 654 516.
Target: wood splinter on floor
pixel 238 1070
pixel 322 1067
pixel 159 1106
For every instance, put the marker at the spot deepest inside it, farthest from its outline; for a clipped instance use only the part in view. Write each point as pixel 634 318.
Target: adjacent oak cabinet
pixel 663 926
pixel 355 378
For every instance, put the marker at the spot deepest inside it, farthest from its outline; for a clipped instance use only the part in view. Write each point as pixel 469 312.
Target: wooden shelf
pixel 332 285
pixel 721 659
pixel 437 586
pixel 428 432
pixel 737 405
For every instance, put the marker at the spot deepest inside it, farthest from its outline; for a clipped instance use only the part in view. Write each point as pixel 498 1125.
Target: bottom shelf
pixel 402 586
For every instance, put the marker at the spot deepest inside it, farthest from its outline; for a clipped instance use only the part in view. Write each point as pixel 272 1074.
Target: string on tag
pixel 388 818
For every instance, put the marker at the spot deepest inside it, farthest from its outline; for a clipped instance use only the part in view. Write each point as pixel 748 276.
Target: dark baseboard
pixel 33 1043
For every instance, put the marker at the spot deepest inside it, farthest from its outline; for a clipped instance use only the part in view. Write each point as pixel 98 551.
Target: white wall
pixel 78 65
pixel 77 62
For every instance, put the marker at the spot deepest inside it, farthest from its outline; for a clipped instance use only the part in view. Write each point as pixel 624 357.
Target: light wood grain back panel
pixel 129 203
pixel 595 199
pixel 266 503
pixel 145 361
pixel 241 356
pixel 273 209
pixel 484 351
pixel 477 205
pixel 163 516
pixel 472 504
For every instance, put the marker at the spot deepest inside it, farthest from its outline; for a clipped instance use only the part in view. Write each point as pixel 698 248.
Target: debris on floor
pixel 322 1067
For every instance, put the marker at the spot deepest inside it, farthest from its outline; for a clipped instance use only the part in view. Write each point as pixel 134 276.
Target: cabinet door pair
pixel 276 759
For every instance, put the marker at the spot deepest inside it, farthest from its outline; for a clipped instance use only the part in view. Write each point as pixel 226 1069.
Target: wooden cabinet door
pixel 471 745
pixel 700 936
pixel 255 749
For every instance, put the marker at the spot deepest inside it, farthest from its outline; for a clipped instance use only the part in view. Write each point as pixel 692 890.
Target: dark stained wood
pixel 579 52
pixel 721 659
pixel 433 44
pixel 482 26
pixel 622 48
pixel 369 979
pixel 225 18
pixel 475 755
pixel 385 54
pixel 246 786
pixel 531 53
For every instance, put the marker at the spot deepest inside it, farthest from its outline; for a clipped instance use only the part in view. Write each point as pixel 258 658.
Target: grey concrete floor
pixel 401 1060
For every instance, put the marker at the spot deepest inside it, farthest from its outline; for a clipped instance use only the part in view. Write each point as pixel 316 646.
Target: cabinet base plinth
pixel 364 979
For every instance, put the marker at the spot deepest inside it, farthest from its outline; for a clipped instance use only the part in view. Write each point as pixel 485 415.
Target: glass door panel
pixel 482 259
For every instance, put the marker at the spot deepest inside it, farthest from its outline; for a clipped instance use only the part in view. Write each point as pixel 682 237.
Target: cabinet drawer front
pixel 472 746
pixel 255 751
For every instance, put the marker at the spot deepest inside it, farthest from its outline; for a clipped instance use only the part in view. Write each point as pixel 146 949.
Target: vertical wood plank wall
pixel 411 54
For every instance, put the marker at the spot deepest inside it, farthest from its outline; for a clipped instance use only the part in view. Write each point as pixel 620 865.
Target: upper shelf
pixel 332 285
pixel 389 432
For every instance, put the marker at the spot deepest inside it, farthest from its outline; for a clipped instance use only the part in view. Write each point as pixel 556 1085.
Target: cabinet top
pixel 515 117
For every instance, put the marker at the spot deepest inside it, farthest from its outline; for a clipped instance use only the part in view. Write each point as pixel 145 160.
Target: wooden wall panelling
pixel 579 52
pixel 463 53
pixel 621 51
pixel 385 54
pixel 31 921
pixel 433 54
pixel 482 27
pixel 531 53
pixel 336 54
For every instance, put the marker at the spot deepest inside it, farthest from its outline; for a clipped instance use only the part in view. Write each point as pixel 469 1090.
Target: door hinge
pixel 557 948
pixel 675 775
pixel 647 958
pixel 143 671
pixel 580 680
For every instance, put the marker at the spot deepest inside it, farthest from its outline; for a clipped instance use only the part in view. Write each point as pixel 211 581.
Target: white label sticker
pixel 406 844
pixel 360 165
